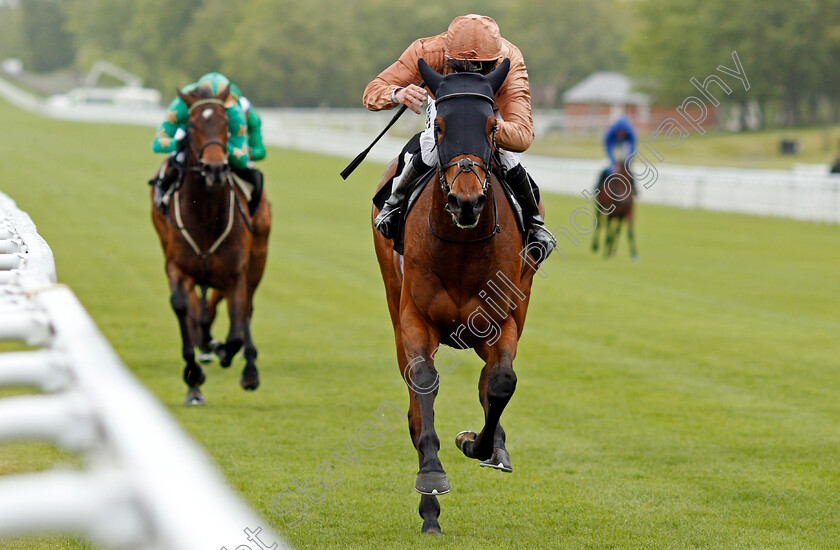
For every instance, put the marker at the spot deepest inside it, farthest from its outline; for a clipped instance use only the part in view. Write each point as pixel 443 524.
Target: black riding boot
pixel 540 241
pixel 255 178
pixel 169 174
pixel 387 220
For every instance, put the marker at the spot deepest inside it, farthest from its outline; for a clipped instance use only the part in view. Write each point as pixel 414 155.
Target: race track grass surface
pixel 688 401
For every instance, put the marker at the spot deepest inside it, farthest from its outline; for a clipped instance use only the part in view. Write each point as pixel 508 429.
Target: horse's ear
pixel 499 74
pixel 224 92
pixel 186 98
pixel 431 77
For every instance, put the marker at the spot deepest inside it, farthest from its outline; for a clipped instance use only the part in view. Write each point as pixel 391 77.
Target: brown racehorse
pixel 615 197
pixel 466 282
pixel 209 240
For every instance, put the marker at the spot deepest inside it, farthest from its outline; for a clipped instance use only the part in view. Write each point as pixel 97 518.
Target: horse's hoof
pixel 463 437
pixel 220 350
pixel 432 483
pixel 205 356
pixel 194 397
pixel 250 383
pixel 636 258
pixel 431 530
pixel 499 461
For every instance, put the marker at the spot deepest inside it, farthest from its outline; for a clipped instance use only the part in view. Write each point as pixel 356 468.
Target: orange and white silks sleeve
pixel 513 100
pixel 403 72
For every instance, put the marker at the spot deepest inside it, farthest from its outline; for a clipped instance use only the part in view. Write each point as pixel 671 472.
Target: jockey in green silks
pixel 245 143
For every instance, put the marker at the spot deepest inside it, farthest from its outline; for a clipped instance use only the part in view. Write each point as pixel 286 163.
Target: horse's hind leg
pixel 250 379
pixel 181 287
pixel 429 510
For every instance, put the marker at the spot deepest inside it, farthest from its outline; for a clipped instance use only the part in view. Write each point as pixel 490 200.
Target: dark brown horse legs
pixel 631 239
pixel 596 236
pixel 430 512
pixel 250 379
pixel 179 299
pixel 236 312
pixel 501 383
pixel 495 388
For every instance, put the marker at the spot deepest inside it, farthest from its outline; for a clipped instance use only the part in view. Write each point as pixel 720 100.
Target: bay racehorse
pixel 615 196
pixel 210 241
pixel 465 284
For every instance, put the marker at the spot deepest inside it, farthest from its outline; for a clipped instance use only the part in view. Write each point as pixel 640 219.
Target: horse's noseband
pixel 202 168
pixel 464 165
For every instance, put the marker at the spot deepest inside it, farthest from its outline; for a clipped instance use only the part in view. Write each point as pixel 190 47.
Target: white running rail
pixel 144 484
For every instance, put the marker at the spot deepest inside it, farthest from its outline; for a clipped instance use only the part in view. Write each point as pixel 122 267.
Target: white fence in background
pixel 144 484
pixel 807 196
pixel 800 195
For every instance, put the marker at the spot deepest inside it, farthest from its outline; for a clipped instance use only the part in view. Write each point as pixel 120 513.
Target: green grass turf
pixel 741 149
pixel 688 401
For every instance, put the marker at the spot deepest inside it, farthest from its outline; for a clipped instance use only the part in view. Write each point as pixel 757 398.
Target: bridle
pixel 201 168
pixel 467 165
pixel 199 153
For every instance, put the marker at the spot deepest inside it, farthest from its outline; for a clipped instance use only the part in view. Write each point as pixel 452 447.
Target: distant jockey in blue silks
pixel 620 135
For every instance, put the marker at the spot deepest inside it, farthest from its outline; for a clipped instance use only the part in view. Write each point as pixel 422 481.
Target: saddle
pixel 416 187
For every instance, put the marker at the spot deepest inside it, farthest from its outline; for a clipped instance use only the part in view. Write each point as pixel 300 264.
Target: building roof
pixel 605 87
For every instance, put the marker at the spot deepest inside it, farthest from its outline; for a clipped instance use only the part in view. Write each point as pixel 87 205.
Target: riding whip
pixel 361 156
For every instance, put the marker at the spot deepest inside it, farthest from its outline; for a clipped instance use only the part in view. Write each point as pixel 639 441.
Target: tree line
pixel 323 53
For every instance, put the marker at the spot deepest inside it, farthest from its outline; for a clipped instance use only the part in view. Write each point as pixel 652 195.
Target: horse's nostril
pixel 453 202
pixel 480 200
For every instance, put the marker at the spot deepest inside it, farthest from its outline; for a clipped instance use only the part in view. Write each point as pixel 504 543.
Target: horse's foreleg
pixel 237 312
pixel 495 388
pixel 180 289
pixel 429 508
pixel 422 378
pixel 596 235
pixel 631 237
pixel 614 240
